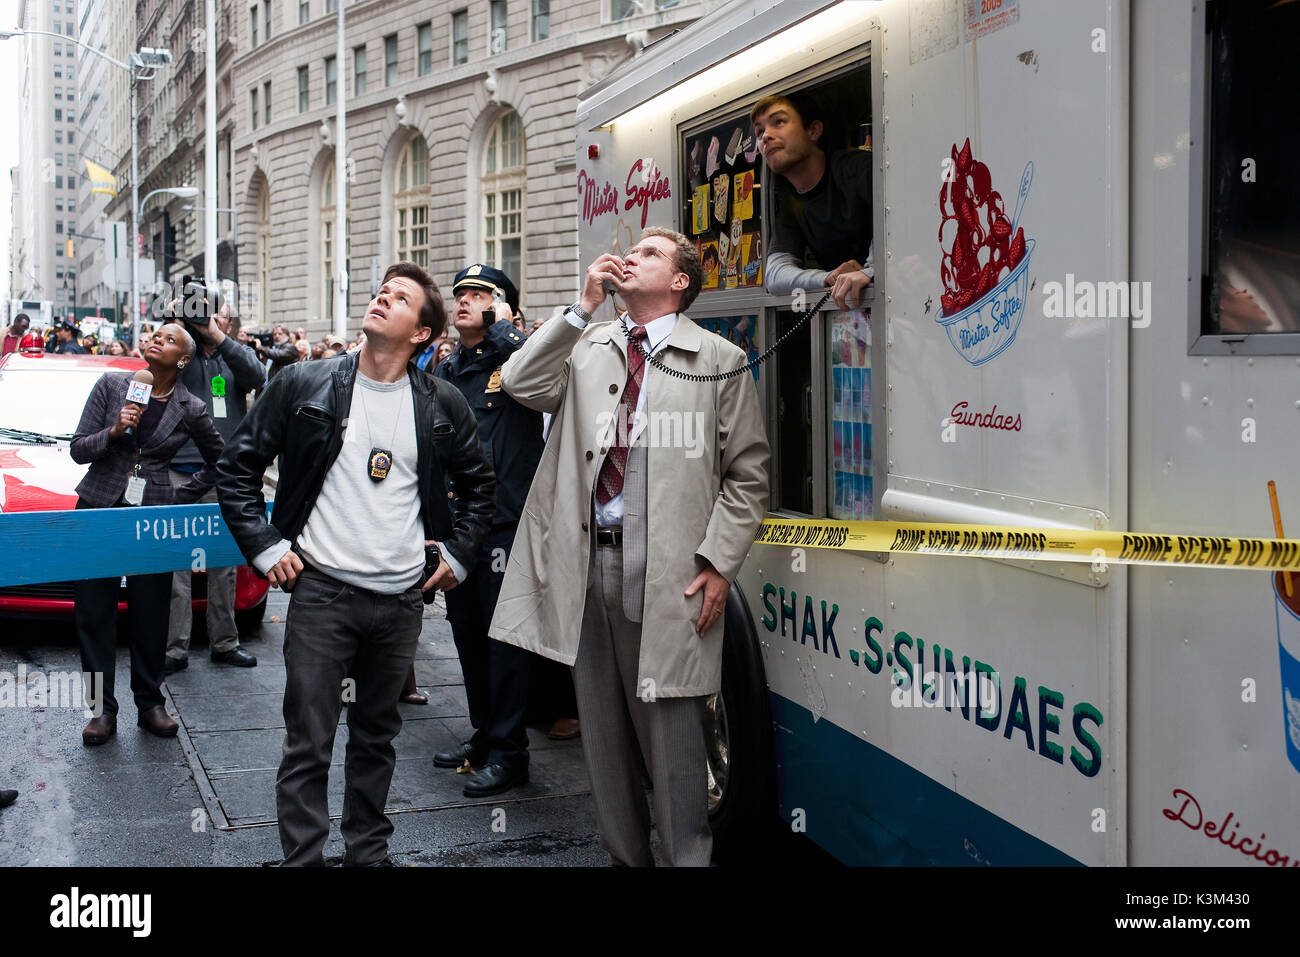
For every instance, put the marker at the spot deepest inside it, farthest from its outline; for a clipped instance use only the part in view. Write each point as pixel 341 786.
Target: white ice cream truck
pixel 1133 365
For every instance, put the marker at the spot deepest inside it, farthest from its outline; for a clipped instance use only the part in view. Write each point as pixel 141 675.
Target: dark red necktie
pixel 610 481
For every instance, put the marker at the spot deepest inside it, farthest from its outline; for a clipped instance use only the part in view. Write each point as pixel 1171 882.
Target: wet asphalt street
pixel 207 796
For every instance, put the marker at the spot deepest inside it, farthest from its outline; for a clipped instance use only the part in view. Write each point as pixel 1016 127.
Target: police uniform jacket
pixel 510 433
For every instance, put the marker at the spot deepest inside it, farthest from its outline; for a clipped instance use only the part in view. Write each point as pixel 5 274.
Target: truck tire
pixel 738 744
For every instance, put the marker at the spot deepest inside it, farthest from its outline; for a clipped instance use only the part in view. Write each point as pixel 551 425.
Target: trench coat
pixel 707 488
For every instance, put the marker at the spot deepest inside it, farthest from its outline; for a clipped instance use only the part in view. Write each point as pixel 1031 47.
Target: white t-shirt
pixel 369 533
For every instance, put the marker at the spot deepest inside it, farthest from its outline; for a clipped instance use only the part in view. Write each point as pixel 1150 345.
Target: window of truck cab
pixel 815 391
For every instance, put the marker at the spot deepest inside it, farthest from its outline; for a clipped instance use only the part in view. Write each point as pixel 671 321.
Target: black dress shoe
pixel 157 721
pixel 459 755
pixel 7 798
pixel 494 779
pixel 236 656
pixel 99 729
pixel 174 665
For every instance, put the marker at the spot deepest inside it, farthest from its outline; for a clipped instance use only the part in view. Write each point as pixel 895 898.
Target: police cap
pixel 479 276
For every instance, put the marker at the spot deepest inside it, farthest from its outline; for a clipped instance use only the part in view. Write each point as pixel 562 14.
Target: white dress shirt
pixel 658 332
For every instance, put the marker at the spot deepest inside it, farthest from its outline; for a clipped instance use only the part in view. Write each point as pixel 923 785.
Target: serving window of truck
pixel 822 445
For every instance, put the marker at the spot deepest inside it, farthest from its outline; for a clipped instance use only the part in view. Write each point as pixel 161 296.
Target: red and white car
pixel 41 399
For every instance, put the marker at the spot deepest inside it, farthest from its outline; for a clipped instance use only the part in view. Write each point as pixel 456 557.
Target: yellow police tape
pixel 1034 544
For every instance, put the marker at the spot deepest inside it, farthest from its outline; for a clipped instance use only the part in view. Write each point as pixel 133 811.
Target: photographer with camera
pixel 222 374
pixel 274 349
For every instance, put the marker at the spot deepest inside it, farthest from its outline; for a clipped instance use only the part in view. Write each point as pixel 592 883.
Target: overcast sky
pixel 9 88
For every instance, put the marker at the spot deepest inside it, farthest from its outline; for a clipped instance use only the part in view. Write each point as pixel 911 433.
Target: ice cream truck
pixel 1085 315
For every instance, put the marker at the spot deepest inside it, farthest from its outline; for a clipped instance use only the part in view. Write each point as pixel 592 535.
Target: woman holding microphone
pixel 129 446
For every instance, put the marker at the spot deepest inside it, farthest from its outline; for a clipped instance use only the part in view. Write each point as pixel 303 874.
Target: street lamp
pixel 143 66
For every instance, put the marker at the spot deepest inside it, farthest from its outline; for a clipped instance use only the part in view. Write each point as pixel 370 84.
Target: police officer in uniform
pixel 496 674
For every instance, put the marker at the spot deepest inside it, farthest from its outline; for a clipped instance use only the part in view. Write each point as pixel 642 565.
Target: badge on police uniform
pixel 494 381
pixel 381 461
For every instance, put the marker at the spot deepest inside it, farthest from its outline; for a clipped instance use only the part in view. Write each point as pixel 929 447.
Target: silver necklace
pixel 380 462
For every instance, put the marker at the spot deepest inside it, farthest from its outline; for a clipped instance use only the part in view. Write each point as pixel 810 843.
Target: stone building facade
pixel 460 128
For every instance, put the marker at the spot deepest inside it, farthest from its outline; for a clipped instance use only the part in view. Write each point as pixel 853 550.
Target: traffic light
pixel 71 250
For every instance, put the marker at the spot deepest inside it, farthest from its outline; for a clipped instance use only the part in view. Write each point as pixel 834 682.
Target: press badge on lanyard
pixel 218 397
pixel 134 494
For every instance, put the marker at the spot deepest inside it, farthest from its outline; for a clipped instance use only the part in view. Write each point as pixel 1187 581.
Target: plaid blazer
pixel 112 461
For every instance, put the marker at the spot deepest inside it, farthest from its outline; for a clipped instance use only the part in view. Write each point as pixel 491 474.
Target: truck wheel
pixel 249 620
pixel 738 743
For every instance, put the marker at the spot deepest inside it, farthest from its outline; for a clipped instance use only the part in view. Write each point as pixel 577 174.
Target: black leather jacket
pixel 298 419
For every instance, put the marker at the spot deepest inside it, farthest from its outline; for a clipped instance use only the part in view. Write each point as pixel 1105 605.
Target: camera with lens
pixel 196 304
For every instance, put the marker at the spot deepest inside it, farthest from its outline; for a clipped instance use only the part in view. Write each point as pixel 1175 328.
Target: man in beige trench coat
pixel 631 534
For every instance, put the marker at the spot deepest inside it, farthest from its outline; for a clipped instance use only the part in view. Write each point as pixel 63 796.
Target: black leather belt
pixel 612 535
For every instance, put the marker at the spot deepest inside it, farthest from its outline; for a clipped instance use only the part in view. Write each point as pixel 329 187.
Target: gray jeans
pixel 334 632
pixel 223 634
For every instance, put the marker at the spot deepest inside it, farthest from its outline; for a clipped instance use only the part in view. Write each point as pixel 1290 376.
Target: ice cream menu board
pixel 851 415
pixel 721 165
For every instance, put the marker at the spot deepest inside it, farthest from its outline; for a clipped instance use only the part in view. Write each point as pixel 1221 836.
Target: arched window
pixel 411 203
pixel 327 238
pixel 261 310
pixel 503 197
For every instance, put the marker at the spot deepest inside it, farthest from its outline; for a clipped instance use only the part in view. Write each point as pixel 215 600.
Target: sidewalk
pixel 232 732
pixel 208 796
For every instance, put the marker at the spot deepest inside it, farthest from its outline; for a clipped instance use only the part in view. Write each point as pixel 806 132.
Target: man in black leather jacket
pixel 369 447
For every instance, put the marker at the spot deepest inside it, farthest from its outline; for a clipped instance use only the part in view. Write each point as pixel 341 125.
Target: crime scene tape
pixel 1034 544
pixel 39 547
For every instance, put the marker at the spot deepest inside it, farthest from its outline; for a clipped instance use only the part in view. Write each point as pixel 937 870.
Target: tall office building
pixel 101 141
pixel 45 189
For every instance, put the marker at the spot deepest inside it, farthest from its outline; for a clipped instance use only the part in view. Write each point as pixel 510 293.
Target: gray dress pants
pixel 617 723
pixel 223 634
pixel 334 632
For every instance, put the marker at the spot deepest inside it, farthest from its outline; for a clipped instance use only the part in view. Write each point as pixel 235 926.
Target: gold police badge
pixel 381 461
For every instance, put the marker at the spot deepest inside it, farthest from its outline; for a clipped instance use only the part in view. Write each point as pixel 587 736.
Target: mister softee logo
pixel 985 262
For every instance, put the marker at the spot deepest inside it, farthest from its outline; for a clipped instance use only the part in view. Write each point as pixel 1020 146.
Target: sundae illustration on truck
pixel 986 262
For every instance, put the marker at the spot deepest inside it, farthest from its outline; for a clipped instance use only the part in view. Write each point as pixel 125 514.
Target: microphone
pixel 139 391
